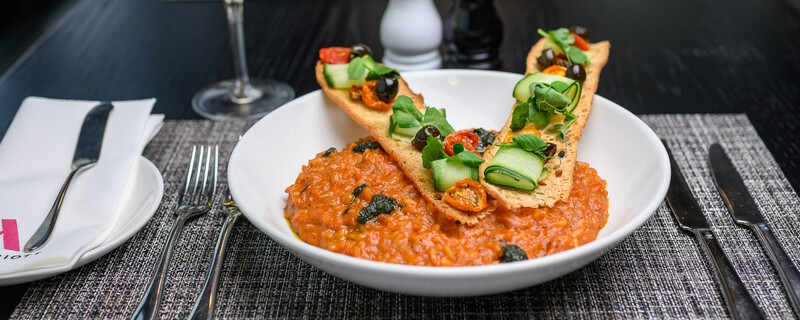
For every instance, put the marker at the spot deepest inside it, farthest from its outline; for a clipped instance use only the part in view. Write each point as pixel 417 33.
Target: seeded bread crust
pixel 558 183
pixel 376 122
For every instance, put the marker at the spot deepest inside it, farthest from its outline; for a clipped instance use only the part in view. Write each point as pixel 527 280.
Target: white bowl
pixel 625 152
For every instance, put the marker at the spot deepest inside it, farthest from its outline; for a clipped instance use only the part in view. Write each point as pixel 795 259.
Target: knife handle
pixel 42 234
pixel 740 304
pixel 787 272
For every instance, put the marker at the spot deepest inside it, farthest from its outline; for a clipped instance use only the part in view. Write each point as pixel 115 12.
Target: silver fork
pixel 194 199
pixel 204 308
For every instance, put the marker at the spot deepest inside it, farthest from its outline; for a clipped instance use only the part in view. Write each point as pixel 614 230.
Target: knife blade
pixel 87 152
pixel 745 212
pixel 690 217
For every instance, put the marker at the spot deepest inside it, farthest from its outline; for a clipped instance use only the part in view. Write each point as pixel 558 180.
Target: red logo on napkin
pixel 9 234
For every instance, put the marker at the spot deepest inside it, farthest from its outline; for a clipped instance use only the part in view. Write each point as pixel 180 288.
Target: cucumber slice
pixel 516 168
pixel 338 77
pixel 405 134
pixel 522 91
pixel 446 173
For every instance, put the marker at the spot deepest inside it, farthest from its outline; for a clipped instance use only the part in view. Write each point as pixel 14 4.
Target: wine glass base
pixel 218 101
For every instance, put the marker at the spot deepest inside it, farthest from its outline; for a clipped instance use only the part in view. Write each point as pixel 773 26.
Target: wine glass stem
pixel 235 16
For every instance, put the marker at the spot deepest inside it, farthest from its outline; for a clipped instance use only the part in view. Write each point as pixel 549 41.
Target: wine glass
pixel 242 97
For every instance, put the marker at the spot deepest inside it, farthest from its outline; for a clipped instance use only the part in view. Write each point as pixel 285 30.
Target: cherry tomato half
pixel 466 195
pixel 467 138
pixel 579 42
pixel 371 99
pixel 334 55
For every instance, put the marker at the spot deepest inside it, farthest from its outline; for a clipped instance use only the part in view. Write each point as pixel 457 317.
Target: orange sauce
pixel 322 211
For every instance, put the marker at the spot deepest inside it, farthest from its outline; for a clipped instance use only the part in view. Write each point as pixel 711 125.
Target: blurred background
pixel 24 21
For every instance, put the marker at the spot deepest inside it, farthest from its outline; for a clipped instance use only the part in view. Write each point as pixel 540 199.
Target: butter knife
pixel 690 217
pixel 745 212
pixel 87 151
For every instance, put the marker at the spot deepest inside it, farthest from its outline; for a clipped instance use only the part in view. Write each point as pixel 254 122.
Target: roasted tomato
pixel 580 43
pixel 334 55
pixel 467 138
pixel 556 70
pixel 371 99
pixel 466 195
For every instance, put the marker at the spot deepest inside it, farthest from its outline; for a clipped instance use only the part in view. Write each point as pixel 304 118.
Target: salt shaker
pixel 411 33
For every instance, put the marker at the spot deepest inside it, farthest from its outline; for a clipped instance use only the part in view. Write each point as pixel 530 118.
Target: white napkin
pixel 35 158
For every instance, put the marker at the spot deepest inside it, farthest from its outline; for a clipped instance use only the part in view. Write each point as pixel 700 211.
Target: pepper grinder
pixel 411 33
pixel 473 32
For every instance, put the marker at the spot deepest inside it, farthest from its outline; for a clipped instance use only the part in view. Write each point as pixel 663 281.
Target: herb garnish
pixel 358 190
pixel 355 194
pixel 545 101
pixel 564 40
pixel 328 152
pixel 512 253
pixel 527 142
pixel 435 117
pixel 485 139
pixel 406 115
pixel 433 151
pixel 358 65
pixel 379 204
pixel 364 145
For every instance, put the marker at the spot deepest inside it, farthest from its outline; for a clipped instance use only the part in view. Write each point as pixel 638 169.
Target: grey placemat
pixel 658 272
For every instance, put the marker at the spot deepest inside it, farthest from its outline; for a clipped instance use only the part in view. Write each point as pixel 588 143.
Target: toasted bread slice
pixel 376 122
pixel 558 183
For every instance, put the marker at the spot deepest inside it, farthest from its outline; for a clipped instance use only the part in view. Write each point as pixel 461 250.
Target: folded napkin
pixel 35 158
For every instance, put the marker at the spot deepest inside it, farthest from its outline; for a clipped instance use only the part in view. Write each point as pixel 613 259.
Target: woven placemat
pixel 657 272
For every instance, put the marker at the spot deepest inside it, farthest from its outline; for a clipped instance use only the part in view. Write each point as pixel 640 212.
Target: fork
pixel 204 308
pixel 194 199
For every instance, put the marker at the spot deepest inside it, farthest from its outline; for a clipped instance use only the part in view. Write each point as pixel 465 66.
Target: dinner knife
pixel 745 212
pixel 690 217
pixel 87 151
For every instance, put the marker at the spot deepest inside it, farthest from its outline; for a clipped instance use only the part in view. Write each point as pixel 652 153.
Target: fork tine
pixel 195 196
pixel 205 193
pixel 186 182
pixel 203 190
pixel 216 170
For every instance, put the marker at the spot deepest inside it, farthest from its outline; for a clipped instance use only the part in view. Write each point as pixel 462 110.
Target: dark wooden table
pixel 681 56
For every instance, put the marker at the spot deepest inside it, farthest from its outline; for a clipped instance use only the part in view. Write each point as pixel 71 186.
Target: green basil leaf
pixel 519 117
pixel 405 114
pixel 404 120
pixel 560 86
pixel 530 143
pixel 556 99
pixel 435 117
pixel 540 117
pixel 355 68
pixel 380 71
pixel 569 118
pixel 432 152
pixel 468 159
pixel 458 148
pixel 562 37
pixel 562 130
pixel 576 56
pixel 404 104
pixel 543 33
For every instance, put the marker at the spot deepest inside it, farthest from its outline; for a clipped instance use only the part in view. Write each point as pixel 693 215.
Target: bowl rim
pixel 297 246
